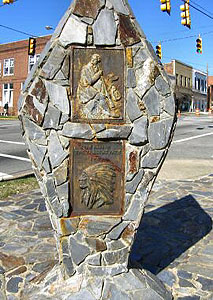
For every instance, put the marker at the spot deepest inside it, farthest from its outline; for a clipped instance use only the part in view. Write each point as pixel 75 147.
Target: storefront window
pixel 7 94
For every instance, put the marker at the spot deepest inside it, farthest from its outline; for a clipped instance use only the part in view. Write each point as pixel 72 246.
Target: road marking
pixel 192 138
pixel 10 142
pixel 4 176
pixel 14 157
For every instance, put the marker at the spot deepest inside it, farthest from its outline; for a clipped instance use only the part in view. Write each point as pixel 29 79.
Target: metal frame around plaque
pixel 97 85
pixel 97 178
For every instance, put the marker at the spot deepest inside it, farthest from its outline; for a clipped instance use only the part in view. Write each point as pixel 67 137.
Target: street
pixel 190 155
pixel 13 157
pixel 193 129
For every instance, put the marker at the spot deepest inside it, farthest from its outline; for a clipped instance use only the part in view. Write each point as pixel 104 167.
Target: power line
pixel 189 62
pixel 163 41
pixel 199 26
pixel 16 30
pixel 176 39
pixel 183 30
pixel 19 31
pixel 201 7
pixel 168 33
pixel 183 38
pixel 207 15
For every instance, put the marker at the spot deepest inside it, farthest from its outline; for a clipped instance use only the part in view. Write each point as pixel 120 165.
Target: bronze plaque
pixel 97 178
pixel 98 85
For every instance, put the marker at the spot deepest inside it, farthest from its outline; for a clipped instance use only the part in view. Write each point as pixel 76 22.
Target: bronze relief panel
pixel 98 85
pixel 97 178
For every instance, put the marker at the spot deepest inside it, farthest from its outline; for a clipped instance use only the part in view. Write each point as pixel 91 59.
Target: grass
pixel 8 118
pixel 17 186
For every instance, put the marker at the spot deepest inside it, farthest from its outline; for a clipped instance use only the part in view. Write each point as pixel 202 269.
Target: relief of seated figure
pixel 96 96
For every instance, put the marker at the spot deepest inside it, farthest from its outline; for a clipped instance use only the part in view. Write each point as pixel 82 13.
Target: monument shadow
pixel 167 232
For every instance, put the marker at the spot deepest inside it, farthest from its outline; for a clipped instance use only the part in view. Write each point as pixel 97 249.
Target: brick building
pixel 15 64
pixel 210 92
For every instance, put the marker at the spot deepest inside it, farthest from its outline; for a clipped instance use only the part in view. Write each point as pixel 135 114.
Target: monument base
pixel 135 284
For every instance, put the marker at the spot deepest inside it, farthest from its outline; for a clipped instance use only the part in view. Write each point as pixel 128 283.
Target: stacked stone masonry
pixel 141 121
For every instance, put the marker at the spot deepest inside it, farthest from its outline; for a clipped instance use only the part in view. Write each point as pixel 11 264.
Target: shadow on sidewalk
pixel 167 232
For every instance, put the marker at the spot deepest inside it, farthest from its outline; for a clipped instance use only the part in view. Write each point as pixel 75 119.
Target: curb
pixel 193 114
pixel 16 176
pixel 9 119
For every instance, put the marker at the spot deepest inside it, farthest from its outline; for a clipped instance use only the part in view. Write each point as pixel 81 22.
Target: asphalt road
pixel 13 156
pixel 190 155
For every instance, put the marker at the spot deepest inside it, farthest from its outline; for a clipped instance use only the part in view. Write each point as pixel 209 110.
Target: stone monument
pixel 98 115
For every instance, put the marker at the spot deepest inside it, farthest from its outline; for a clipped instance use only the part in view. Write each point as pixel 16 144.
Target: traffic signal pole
pixel 185 14
pixel 31 46
pixel 159 50
pixel 165 6
pixel 199 45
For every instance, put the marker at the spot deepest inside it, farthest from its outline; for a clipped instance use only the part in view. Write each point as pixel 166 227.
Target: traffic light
pixel 199 45
pixel 166 6
pixel 185 14
pixel 8 1
pixel 31 46
pixel 159 51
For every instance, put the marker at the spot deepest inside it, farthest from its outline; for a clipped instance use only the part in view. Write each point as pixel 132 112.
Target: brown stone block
pixel 39 91
pixel 69 226
pixel 133 162
pixel 87 8
pixel 18 271
pixel 96 244
pixel 128 33
pixel 11 262
pixel 32 111
pixel 128 234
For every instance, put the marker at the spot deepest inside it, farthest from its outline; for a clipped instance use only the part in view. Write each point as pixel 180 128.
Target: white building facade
pixel 199 89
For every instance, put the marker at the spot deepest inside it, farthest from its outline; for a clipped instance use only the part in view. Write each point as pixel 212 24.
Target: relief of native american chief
pixel 97 97
pixel 97 184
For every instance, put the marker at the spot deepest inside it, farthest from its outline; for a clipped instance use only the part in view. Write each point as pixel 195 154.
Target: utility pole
pixel 207 88
pixel 207 71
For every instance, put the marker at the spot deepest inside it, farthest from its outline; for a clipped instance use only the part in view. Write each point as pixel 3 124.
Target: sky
pixel 32 16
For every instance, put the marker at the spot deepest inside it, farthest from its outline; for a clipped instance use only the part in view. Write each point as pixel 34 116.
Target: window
pixel 185 81
pixel 189 82
pixel 198 84
pixel 8 66
pixel 202 85
pixel 177 79
pixel 8 94
pixel 32 60
pixel 181 80
pixel 22 85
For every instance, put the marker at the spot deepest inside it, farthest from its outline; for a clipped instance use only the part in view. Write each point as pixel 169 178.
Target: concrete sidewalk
pixel 174 169
pixel 174 241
